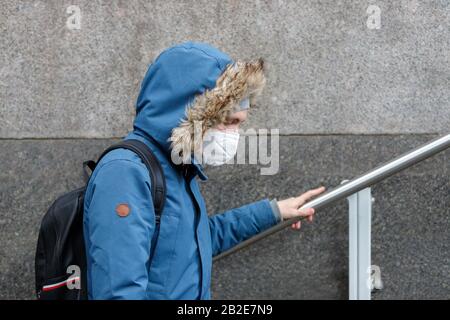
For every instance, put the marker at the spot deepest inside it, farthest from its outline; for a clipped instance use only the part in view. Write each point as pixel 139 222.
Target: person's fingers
pixel 296 225
pixel 309 194
pixel 305 212
pixel 310 218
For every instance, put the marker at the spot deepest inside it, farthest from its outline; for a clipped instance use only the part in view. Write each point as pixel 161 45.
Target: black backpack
pixel 60 262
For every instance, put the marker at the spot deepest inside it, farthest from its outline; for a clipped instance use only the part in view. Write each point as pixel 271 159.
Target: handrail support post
pixel 360 216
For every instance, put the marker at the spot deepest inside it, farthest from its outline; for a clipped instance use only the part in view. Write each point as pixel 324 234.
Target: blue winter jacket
pixel 119 219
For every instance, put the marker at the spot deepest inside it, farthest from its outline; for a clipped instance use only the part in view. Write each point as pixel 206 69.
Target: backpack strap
pixel 151 162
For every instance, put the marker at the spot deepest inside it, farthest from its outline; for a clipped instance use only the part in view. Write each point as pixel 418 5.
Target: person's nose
pixel 231 126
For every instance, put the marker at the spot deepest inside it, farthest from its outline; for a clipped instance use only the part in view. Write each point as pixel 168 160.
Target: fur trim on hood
pixel 240 80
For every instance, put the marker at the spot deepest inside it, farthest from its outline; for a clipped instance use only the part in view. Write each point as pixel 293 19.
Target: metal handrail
pixel 363 181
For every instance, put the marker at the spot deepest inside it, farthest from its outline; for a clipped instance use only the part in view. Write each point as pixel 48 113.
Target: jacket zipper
pixel 188 179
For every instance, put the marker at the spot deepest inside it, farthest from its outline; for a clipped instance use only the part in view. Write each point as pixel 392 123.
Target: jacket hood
pixel 192 85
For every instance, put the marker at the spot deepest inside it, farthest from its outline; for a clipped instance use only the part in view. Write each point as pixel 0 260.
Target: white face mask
pixel 219 146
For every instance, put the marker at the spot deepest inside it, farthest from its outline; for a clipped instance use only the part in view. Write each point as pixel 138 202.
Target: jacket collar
pixel 199 168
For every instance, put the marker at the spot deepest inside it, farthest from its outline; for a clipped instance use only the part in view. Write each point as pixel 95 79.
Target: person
pixel 188 84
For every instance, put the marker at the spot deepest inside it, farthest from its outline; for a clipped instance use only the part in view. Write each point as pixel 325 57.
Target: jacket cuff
pixel 263 214
pixel 276 210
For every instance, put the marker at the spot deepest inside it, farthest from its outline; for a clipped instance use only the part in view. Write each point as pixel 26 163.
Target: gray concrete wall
pixel 345 98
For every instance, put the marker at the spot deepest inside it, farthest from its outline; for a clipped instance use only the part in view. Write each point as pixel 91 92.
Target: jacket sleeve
pixel 119 244
pixel 236 225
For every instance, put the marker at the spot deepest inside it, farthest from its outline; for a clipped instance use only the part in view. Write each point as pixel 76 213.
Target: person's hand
pixel 289 208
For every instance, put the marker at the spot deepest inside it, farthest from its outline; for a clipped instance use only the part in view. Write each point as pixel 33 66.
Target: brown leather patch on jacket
pixel 123 210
